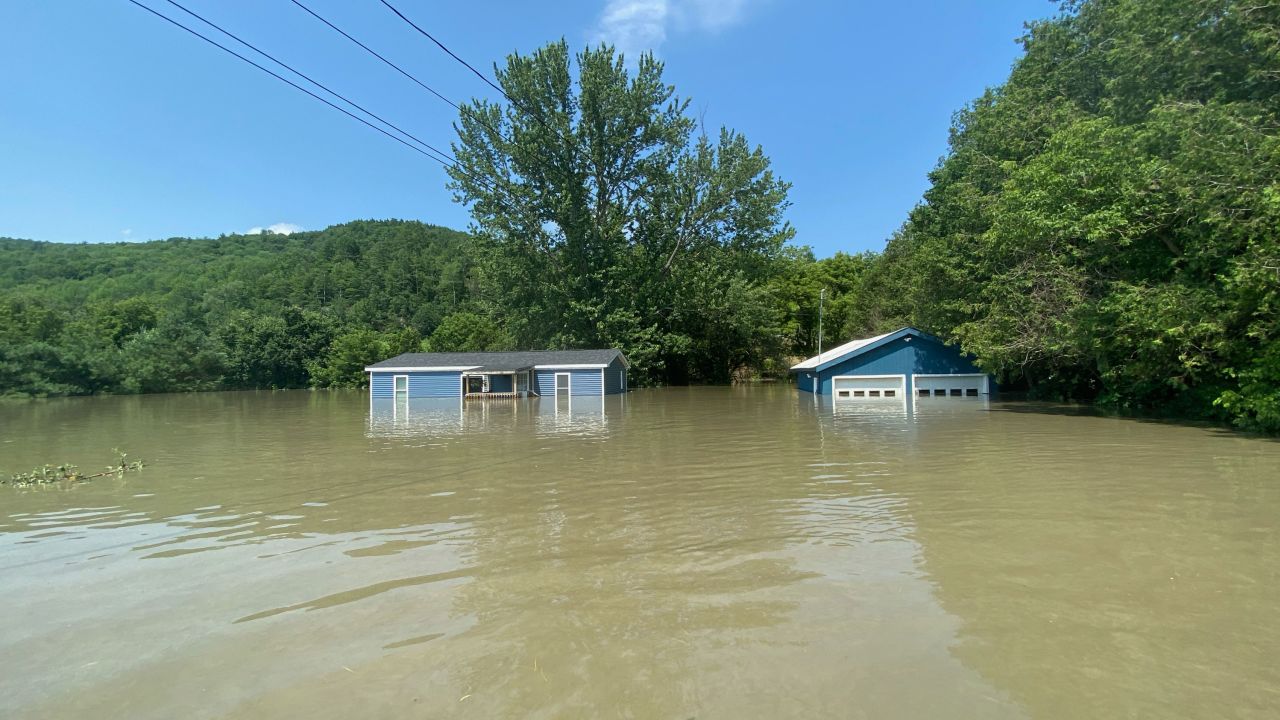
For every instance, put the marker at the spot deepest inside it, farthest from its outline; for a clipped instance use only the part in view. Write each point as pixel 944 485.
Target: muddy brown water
pixel 677 553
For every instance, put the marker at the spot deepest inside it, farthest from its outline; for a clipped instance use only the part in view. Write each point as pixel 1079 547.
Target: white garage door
pixel 950 386
pixel 868 387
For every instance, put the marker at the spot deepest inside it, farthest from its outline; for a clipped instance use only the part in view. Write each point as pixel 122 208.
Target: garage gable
pixel 905 354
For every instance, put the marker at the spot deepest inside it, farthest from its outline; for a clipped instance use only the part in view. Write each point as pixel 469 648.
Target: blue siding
pixel 804 381
pixel 381 385
pixel 421 384
pixel 587 382
pixel 501 383
pixel 615 378
pixel 919 356
pixel 544 382
pixel 581 382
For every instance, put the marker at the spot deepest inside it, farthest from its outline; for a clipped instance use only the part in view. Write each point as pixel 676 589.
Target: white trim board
pixel 870 377
pixel 568 386
pixel 591 366
pixel 423 369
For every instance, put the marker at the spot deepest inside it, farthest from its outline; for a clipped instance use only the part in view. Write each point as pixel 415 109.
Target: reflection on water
pixel 689 552
pixel 439 419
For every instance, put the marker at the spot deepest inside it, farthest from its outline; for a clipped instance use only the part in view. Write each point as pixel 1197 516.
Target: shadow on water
pixel 1081 410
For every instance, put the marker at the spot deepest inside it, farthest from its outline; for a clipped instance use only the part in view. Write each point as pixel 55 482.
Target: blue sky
pixel 117 126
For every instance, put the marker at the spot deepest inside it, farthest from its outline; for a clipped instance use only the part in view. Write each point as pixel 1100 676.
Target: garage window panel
pixel 950 386
pixel 847 388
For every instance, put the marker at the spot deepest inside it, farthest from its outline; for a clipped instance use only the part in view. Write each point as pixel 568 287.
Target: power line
pixel 460 108
pixel 447 158
pixel 441 157
pixel 441 45
pixel 282 79
pixel 373 52
pixel 482 76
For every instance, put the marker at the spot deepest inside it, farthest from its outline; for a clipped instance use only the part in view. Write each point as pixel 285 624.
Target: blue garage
pixel 499 374
pixel 894 366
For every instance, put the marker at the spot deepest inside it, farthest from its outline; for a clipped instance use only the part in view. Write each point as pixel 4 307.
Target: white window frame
pixel 395 382
pixel 568 386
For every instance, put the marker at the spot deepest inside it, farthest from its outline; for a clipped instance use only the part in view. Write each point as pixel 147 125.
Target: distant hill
pixel 233 311
pixel 401 268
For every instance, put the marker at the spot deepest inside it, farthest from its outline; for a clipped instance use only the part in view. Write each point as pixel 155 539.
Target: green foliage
pixel 602 220
pixel 466 331
pixel 67 473
pixel 270 351
pixel 1104 224
pixel 346 358
pixel 856 302
pixel 259 311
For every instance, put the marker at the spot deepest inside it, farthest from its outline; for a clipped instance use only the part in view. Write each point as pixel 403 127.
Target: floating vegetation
pixel 67 473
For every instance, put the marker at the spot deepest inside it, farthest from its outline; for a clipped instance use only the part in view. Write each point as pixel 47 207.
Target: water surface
pixel 677 553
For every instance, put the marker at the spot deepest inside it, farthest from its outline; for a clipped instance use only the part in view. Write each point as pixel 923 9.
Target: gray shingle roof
pixel 501 361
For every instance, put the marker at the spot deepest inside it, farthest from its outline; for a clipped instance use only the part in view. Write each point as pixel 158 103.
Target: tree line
pixel 1103 227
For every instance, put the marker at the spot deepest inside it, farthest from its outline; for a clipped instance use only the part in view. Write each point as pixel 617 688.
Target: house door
pixel 401 386
pixel 563 384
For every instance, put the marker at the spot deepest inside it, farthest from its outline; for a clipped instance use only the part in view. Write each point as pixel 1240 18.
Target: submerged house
pixel 897 365
pixel 499 374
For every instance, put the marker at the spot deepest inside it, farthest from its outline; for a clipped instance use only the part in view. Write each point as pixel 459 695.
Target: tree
pixel 1104 223
pixel 347 357
pixel 603 220
pixel 271 351
pixel 465 331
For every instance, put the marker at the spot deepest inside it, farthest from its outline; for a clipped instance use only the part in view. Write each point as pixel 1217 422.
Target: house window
pixel 401 384
pixel 859 393
pixel 890 393
pixel 971 392
pixel 843 393
pixel 924 392
pixel 956 392
pixel 873 393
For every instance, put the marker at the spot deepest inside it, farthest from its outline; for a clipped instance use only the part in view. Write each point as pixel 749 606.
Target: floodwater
pixel 677 553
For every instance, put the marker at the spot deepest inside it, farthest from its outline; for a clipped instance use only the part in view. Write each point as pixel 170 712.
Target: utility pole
pixel 822 294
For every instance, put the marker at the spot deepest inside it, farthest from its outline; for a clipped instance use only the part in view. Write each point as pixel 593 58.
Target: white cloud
pixel 278 228
pixel 126 232
pixel 634 26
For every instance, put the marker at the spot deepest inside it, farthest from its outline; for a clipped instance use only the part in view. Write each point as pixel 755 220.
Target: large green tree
pixel 1105 223
pixel 606 218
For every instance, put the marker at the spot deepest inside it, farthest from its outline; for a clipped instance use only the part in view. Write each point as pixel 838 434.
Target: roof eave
pixel 421 368
pixel 891 337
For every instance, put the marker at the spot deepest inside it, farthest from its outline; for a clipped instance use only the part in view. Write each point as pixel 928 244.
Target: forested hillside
pixel 239 311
